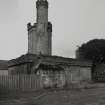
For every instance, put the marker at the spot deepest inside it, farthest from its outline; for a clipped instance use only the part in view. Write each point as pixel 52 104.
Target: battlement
pixel 49 27
pixel 42 3
pixel 30 26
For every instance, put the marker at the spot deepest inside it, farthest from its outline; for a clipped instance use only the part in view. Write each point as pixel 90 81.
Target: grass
pixel 94 96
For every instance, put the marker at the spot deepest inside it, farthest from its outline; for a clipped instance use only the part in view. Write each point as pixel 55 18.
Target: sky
pixel 74 22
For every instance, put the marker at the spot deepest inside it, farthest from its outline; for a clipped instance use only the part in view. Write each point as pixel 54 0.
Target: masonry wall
pixel 77 73
pixel 40 38
pixel 43 45
pixel 32 40
pixel 86 74
pixel 52 78
pixel 70 74
pixel 18 69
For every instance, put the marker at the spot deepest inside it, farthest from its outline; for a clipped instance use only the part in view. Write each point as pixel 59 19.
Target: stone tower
pixel 40 34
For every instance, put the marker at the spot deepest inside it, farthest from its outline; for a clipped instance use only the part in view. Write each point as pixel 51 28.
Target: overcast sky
pixel 74 22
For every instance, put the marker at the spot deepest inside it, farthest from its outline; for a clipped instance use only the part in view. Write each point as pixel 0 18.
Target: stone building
pixel 52 68
pixel 55 70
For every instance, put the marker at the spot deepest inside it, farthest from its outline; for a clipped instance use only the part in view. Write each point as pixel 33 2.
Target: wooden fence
pixel 20 82
pixel 34 82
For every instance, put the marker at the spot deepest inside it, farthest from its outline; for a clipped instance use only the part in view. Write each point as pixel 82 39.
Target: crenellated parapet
pixel 30 26
pixel 49 26
pixel 42 3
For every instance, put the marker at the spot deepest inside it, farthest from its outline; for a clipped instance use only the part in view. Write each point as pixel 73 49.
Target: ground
pixel 94 96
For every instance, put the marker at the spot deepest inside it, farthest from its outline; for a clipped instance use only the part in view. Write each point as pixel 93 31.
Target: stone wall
pixel 77 73
pixel 18 69
pixel 52 78
pixel 32 39
pixel 70 75
pixel 44 43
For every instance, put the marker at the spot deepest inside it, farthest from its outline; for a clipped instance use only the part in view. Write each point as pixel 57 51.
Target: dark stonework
pixel 29 26
pixel 42 3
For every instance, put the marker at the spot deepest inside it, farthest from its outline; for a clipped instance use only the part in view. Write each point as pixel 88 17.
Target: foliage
pixel 93 50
